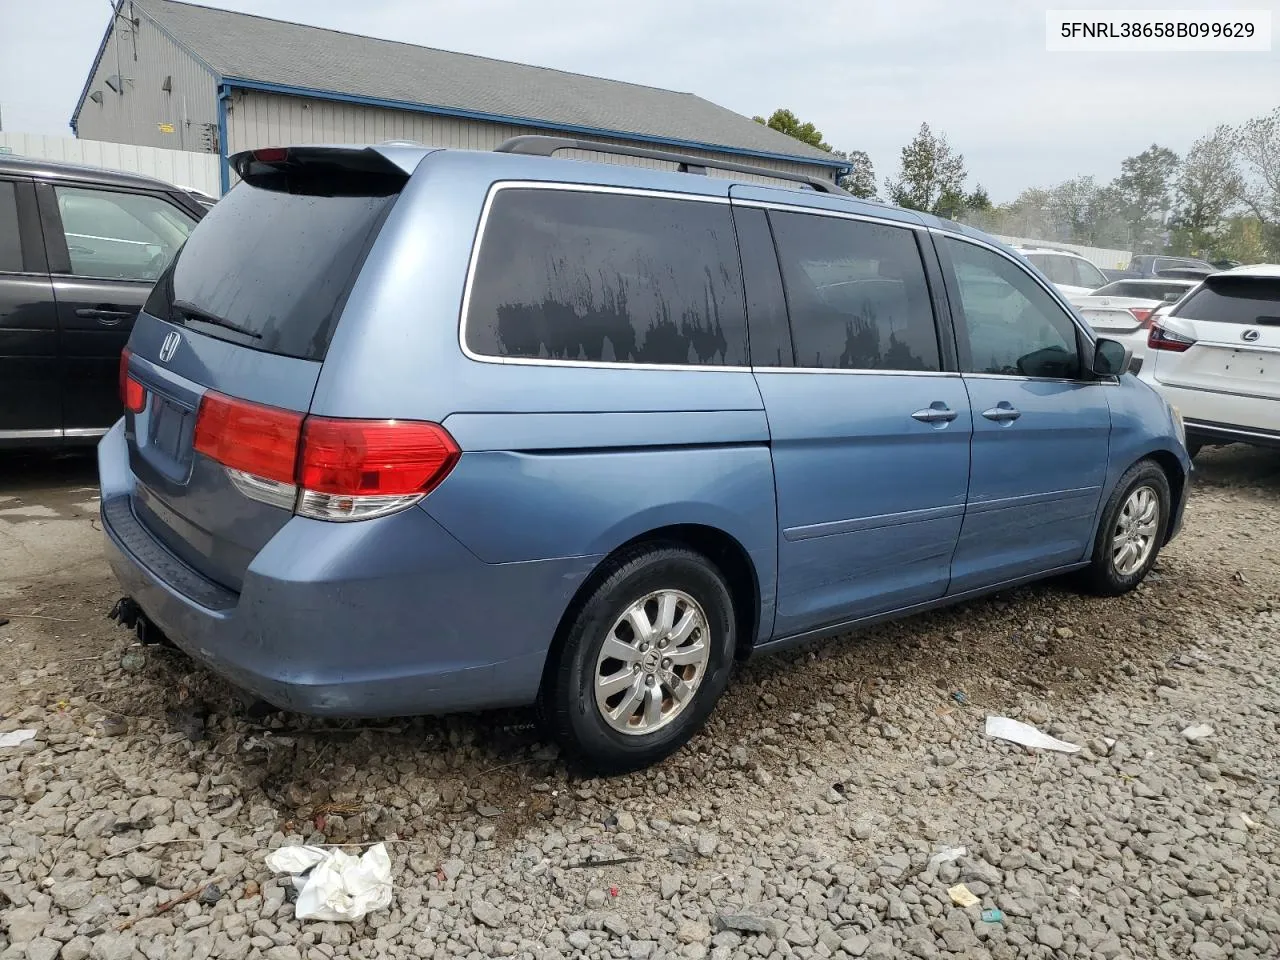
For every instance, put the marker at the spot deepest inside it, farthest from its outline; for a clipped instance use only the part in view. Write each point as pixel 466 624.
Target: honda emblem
pixel 1250 335
pixel 170 346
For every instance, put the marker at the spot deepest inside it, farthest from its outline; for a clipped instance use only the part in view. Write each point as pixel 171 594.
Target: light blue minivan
pixel 417 431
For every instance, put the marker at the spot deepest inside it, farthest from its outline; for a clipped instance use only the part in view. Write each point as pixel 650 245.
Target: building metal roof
pixel 258 52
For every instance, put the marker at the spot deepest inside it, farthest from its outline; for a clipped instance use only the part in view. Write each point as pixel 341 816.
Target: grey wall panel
pixel 142 111
pixel 258 119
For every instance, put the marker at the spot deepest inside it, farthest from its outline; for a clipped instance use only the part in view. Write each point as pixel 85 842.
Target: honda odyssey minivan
pixel 413 431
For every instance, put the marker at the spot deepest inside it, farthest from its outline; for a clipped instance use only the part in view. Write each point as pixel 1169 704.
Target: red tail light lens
pixel 271 154
pixel 251 437
pixel 323 468
pixel 132 393
pixel 1142 315
pixel 1161 339
pixel 374 457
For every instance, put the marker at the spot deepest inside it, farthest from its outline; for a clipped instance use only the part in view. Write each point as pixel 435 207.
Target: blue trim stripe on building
pixel 224 166
pixel 840 166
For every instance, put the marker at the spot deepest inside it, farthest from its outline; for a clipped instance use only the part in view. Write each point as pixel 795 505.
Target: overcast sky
pixel 866 72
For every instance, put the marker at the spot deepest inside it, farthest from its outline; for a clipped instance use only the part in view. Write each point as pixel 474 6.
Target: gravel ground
pixel 804 822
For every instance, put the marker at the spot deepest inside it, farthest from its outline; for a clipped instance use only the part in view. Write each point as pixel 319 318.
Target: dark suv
pixel 80 249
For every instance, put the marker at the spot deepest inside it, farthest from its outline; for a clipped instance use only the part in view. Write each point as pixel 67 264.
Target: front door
pixel 869 430
pixel 1041 430
pixel 106 249
pixel 30 378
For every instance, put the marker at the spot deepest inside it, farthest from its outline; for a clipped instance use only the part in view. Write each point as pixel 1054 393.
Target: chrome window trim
pixel 498 186
pixel 30 434
pixel 861 371
pixel 85 431
pixel 824 212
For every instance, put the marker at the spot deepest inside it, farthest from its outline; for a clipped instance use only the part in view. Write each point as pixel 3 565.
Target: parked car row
pixel 1208 339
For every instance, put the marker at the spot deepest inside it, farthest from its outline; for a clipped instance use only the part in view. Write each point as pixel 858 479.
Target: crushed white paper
pixel 15 737
pixel 1003 728
pixel 338 886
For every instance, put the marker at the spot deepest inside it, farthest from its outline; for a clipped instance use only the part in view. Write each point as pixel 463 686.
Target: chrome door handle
pixel 1002 412
pixel 937 413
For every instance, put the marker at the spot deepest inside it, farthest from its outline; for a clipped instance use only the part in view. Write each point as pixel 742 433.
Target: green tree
pixel 1145 191
pixel 1258 147
pixel 784 121
pixel 979 201
pixel 930 170
pixel 1029 215
pixel 861 178
pixel 1209 186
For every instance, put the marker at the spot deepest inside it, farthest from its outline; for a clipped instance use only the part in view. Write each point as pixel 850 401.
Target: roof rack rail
pixel 539 146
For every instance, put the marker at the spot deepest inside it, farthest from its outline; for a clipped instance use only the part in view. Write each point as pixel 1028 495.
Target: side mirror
pixel 1111 358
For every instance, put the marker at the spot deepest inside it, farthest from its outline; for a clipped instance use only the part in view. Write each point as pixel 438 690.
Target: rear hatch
pixel 223 361
pixel 1223 337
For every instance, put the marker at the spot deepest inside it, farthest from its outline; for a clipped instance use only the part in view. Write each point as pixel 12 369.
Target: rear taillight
pixel 353 469
pixel 1142 315
pixel 319 467
pixel 1161 339
pixel 132 393
pixel 255 439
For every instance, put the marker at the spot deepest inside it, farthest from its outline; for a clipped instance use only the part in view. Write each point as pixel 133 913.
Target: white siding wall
pixel 179 167
pixel 145 57
pixel 256 119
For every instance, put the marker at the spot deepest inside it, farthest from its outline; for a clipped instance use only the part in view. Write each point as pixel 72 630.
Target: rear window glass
pixel 1245 300
pixel 271 268
pixel 607 278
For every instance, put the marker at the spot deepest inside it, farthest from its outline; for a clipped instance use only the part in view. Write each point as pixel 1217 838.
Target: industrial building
pixel 196 78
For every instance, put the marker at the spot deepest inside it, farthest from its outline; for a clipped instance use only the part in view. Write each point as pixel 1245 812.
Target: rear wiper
pixel 199 316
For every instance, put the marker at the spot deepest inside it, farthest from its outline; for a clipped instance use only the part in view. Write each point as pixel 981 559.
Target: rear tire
pixel 666 616
pixel 1133 528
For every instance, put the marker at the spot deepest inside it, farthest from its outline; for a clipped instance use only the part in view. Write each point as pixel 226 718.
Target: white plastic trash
pixel 1003 728
pixel 16 737
pixel 338 886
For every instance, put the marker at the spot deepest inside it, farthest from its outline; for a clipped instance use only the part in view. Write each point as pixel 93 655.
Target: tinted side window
pixel 10 239
pixel 612 278
pixel 1014 327
pixel 1245 300
pixel 120 236
pixel 857 294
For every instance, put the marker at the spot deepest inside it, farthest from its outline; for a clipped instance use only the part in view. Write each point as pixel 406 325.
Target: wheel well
pixel 717 546
pixel 1167 462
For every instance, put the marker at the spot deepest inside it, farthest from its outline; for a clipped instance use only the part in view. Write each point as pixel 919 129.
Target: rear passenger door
pixel 869 422
pixel 1041 429
pixel 106 249
pixel 30 385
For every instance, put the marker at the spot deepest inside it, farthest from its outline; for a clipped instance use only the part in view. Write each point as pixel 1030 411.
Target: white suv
pixel 1071 273
pixel 1216 357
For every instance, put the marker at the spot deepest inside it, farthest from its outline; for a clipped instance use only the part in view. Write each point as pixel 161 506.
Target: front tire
pixel 1132 531
pixel 643 662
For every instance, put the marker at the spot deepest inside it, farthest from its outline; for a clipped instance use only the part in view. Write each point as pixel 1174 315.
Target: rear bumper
pixel 1217 417
pixel 388 617
pixel 1225 433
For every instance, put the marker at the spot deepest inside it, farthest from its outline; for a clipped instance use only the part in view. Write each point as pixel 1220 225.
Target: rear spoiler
pixel 391 161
